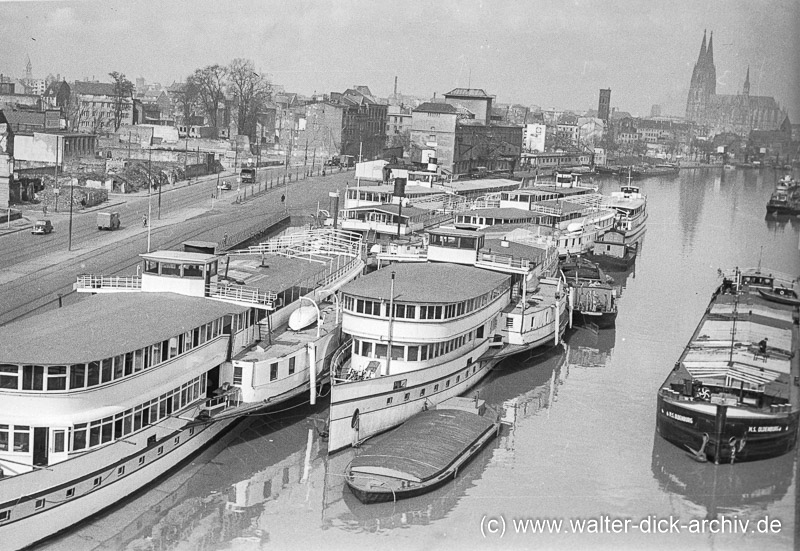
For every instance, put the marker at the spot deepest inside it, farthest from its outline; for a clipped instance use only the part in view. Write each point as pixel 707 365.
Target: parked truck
pixel 107 220
pixel 248 175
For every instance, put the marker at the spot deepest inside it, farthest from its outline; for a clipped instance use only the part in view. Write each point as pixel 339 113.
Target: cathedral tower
pixel 704 81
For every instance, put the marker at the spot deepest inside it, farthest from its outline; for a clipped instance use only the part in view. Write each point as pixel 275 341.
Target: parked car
pixel 107 220
pixel 42 227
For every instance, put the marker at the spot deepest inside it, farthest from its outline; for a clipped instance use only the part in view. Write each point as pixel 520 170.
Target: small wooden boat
pixel 781 295
pixel 422 454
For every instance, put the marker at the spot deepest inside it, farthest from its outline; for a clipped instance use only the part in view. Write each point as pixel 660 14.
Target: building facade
pixel 95 107
pixel 462 136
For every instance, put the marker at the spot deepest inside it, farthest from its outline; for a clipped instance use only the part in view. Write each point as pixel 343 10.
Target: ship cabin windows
pixel 5 515
pixel 101 431
pixel 179 269
pixel 39 504
pixel 472 243
pixel 61 378
pixel 754 280
pixel 415 352
pixel 273 371
pixel 69 493
pixel 436 388
pixel 291 365
pixel 405 311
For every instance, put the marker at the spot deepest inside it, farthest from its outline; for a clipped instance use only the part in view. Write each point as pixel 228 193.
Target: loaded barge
pixel 733 394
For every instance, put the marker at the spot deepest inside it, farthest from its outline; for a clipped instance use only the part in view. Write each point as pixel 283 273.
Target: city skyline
pixel 546 53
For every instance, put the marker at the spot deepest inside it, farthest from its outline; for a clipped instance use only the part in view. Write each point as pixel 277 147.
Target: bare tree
pixel 251 91
pixel 187 99
pixel 123 97
pixel 211 83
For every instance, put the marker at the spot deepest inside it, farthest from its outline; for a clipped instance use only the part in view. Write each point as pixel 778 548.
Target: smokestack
pixel 395 85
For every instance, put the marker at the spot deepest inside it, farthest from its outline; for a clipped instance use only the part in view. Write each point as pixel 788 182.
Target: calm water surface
pixel 582 446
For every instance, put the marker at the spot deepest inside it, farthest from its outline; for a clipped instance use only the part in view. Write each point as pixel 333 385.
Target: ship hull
pixel 765 436
pixel 360 410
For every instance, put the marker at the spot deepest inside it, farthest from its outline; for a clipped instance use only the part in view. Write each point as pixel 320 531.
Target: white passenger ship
pixel 99 398
pixel 573 216
pixel 630 206
pixel 423 332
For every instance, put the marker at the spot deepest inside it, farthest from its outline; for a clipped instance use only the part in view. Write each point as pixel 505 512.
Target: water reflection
pixel 722 489
pixel 777 223
pixel 691 195
pixel 519 387
pixel 214 500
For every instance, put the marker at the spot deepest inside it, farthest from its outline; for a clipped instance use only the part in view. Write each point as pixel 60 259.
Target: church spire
pixel 710 70
pixel 747 82
pixel 710 51
pixel 702 57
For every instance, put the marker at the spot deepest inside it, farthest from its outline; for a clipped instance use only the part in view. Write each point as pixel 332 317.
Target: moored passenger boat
pixel 425 332
pixel 630 206
pixel 732 395
pixel 99 398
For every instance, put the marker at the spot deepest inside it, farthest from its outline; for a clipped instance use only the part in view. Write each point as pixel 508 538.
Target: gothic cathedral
pixel 738 113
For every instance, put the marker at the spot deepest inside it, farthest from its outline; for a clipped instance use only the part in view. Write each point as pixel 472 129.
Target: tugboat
pixel 732 394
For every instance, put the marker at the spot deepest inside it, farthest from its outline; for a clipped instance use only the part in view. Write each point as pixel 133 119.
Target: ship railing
pixel 240 293
pixel 412 251
pixel 590 199
pixel 323 242
pixel 333 276
pixel 89 281
pixel 339 362
pixel 224 399
pixel 503 259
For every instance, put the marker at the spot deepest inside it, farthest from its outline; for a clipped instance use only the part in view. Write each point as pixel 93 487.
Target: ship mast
pixel 391 325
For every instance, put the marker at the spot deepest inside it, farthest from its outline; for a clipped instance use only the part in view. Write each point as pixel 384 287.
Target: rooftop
pixel 467 93
pixel 429 107
pixel 105 325
pixel 437 283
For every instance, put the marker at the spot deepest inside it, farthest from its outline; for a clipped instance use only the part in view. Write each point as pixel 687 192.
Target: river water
pixel 582 447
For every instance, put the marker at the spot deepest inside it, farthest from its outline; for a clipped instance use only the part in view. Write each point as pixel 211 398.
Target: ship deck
pixel 285 341
pixel 724 351
pixel 277 273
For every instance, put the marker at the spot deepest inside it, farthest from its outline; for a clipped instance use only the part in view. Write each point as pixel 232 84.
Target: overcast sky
pixel 551 53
